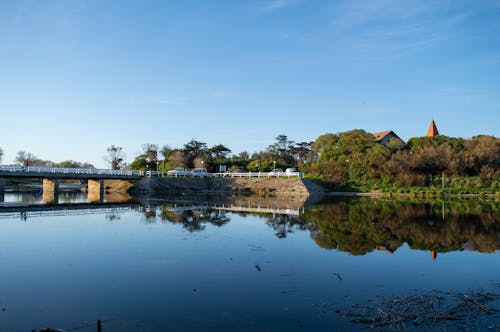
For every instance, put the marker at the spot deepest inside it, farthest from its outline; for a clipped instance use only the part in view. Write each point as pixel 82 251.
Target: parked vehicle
pixel 292 171
pixel 200 172
pixel 277 172
pixel 178 171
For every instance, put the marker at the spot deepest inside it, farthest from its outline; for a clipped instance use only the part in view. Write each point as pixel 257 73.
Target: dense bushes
pixel 356 159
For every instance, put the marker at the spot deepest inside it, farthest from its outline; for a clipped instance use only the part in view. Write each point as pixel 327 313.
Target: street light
pixel 274 165
pixel 202 164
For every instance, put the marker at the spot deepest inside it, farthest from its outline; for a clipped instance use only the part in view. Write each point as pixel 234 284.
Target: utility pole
pixel 442 180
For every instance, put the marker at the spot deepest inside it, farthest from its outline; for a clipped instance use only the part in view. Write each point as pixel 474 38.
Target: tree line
pixel 25 158
pixel 282 153
pixel 355 158
pixel 352 159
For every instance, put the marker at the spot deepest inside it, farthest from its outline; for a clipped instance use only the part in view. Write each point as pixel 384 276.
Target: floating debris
pixel 338 276
pixel 435 309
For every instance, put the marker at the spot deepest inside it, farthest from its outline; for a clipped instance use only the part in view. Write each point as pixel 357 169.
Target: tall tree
pixel 281 149
pixel 115 157
pixel 301 152
pixel 195 148
pixel 219 151
pixel 150 152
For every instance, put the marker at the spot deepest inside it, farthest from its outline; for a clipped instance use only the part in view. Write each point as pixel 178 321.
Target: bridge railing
pixel 122 172
pixel 229 174
pixel 79 171
pixel 260 175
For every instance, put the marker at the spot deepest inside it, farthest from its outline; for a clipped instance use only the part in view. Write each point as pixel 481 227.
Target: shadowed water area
pixel 245 263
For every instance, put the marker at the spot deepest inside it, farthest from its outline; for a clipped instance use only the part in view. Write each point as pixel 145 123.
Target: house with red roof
pixel 385 136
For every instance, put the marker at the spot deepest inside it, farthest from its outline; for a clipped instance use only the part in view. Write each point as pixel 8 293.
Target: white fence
pixel 230 175
pixel 120 172
pixel 78 171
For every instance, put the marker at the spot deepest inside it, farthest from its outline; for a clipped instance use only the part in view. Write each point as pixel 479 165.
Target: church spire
pixel 433 131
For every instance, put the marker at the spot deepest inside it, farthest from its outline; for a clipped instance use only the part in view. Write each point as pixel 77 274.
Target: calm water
pixel 159 266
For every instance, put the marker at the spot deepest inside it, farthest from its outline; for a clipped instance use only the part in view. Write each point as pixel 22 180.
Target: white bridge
pixel 95 173
pixel 94 178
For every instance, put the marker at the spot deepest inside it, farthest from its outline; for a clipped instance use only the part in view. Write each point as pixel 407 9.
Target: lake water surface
pixel 200 265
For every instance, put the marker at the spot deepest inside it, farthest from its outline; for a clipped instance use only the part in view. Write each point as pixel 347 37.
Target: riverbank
pixel 420 194
pixel 267 187
pixel 259 186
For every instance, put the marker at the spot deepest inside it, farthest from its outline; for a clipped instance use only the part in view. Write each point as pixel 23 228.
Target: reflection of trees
pixel 194 220
pixel 284 224
pixel 361 225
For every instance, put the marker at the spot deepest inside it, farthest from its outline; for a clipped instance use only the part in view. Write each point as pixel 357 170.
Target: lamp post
pixel 202 164
pixel 274 165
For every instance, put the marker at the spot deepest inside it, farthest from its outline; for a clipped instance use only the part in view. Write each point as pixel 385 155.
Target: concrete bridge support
pixel 2 190
pixel 50 191
pixel 95 190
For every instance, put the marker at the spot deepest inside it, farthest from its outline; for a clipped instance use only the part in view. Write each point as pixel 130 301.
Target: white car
pixel 178 171
pixel 277 172
pixel 292 171
pixel 200 172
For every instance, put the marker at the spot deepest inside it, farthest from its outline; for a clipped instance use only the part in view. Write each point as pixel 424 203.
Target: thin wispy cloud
pixel 386 30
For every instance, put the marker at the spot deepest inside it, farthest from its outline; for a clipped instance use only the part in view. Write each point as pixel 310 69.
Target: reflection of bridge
pixel 259 209
pixel 235 208
pixel 50 177
pixel 40 210
pixel 25 211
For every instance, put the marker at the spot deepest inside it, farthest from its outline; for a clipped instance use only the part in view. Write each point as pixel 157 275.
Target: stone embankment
pixel 261 186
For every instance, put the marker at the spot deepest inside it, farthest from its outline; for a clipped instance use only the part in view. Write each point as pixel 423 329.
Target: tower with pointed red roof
pixel 433 131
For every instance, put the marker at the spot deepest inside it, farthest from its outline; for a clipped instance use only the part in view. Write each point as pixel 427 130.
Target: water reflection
pixel 360 226
pixel 63 197
pixel 194 219
pixel 232 263
pixel 355 225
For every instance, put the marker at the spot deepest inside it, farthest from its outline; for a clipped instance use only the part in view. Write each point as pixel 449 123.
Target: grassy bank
pixel 464 187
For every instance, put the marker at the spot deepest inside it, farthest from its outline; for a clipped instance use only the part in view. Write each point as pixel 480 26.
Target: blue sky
pixel 78 76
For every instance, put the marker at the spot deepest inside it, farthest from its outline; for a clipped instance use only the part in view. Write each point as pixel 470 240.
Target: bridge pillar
pixel 95 191
pixel 2 190
pixel 50 191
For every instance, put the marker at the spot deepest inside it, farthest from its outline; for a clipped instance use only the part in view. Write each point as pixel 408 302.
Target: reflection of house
pixel 385 249
pixel 433 131
pixel 385 136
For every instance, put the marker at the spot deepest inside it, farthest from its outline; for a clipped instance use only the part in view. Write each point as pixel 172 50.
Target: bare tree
pixel 1 154
pixel 26 159
pixel 116 157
